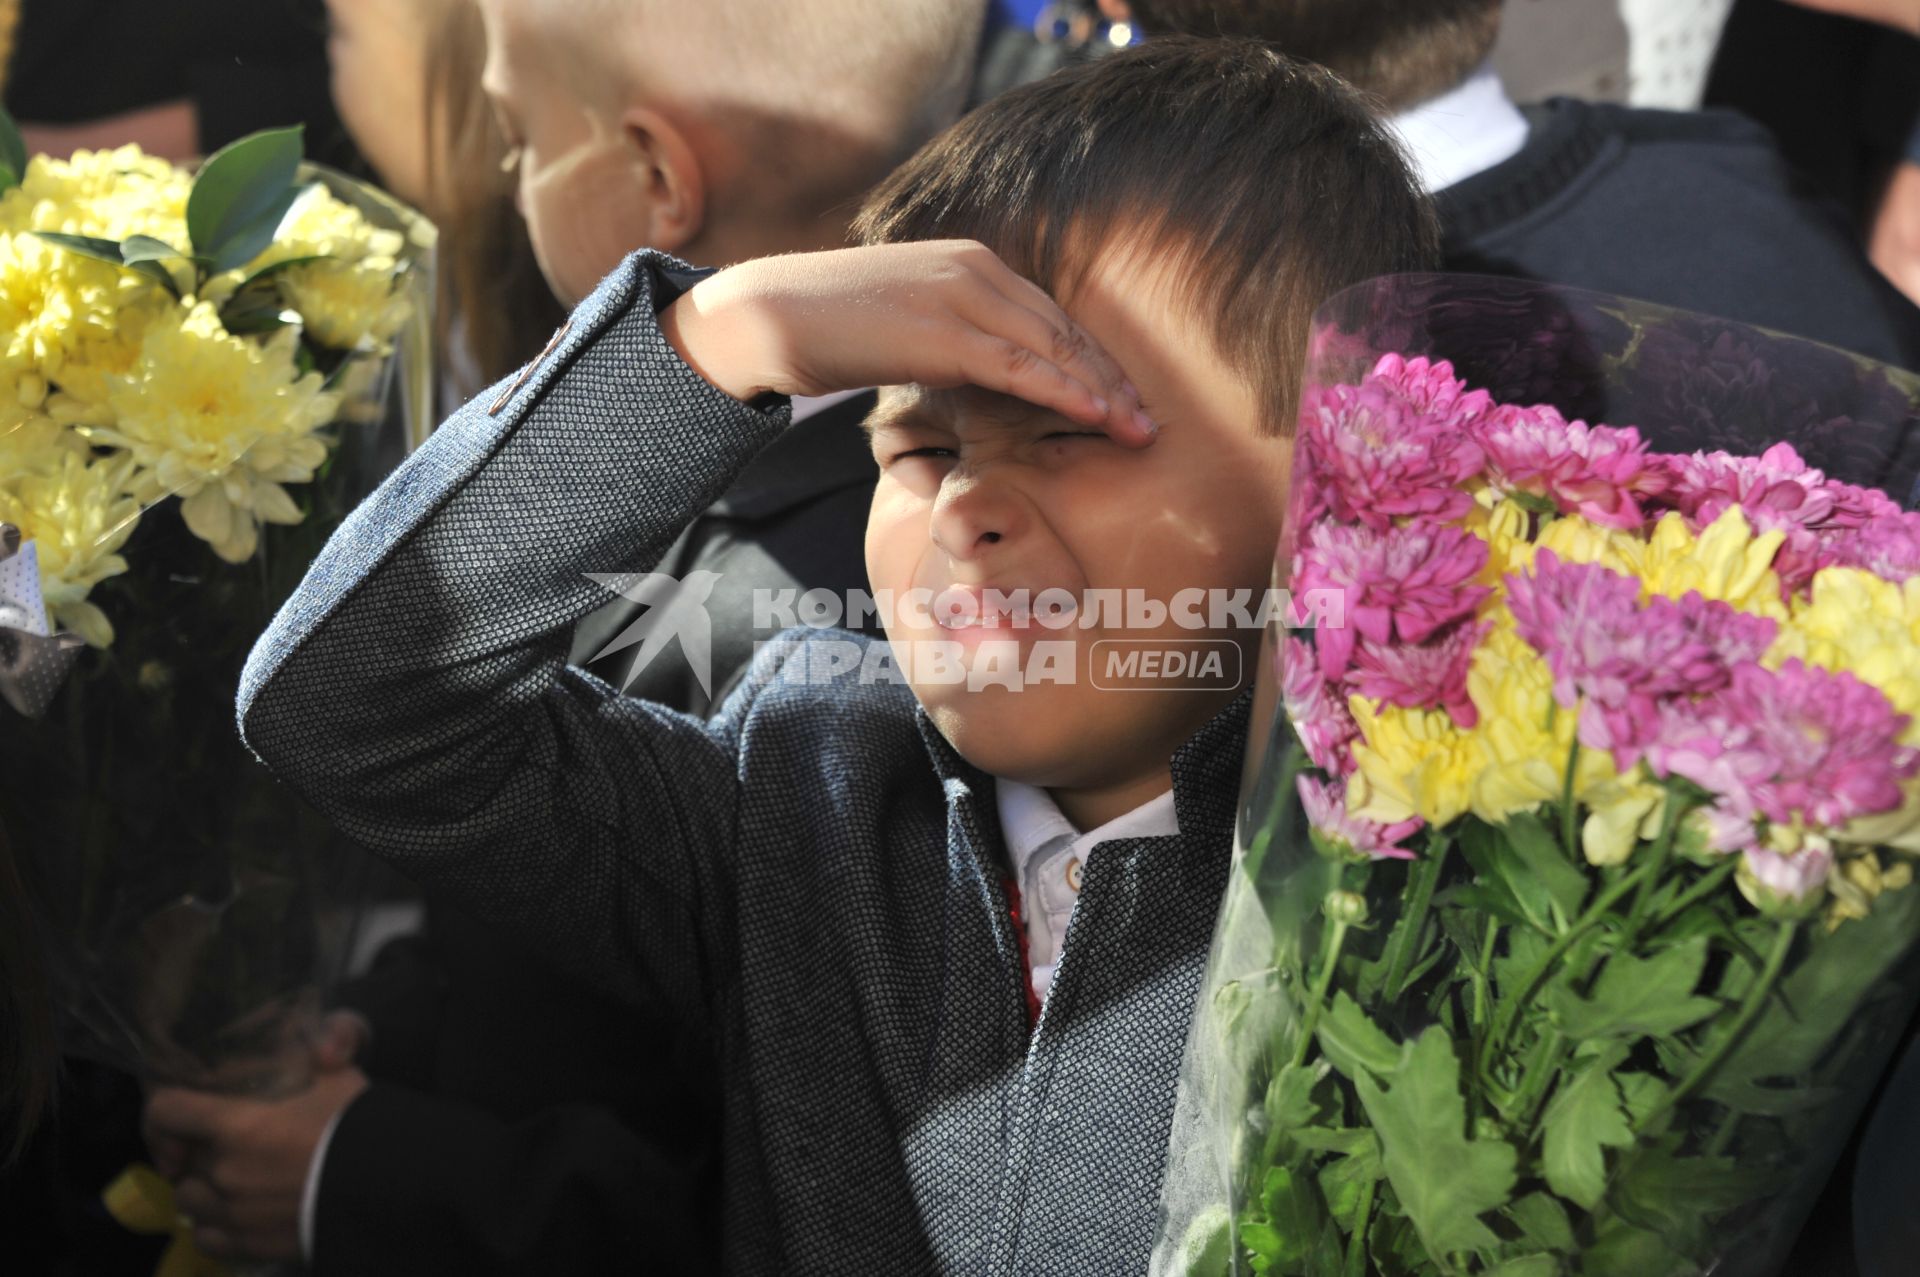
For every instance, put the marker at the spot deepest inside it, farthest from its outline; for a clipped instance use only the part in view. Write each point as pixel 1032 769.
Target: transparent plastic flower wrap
pixel 200 374
pixel 1571 919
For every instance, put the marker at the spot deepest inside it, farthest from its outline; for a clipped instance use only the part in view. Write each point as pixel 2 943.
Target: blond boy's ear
pixel 669 176
pixel 1116 10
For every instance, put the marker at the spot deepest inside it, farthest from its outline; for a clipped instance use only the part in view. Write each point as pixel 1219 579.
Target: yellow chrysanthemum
pixel 51 301
pixel 78 515
pixel 221 422
pixel 108 194
pixel 322 226
pixel 345 305
pixel 31 443
pixel 1726 561
pixel 1505 527
pixel 1852 621
pixel 1411 762
pixel 1523 738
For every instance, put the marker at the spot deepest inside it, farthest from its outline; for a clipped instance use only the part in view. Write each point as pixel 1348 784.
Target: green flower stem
pixel 1357 1244
pixel 1336 938
pixel 1569 809
pixel 1676 811
pixel 1510 1009
pixel 1540 1072
pixel 1708 884
pixel 1742 1021
pixel 1413 919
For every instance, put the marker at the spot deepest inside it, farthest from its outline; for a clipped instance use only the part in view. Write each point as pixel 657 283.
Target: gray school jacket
pixel 813 876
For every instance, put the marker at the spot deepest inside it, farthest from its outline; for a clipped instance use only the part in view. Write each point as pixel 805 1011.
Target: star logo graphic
pixel 676 609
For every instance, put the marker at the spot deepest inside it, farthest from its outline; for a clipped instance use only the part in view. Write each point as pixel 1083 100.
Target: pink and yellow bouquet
pixel 1571 920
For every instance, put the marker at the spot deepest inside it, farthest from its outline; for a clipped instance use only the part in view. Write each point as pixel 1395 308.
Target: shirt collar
pixel 1031 822
pixel 1463 132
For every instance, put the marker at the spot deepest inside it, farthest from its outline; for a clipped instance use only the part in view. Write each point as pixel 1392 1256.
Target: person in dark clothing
pixel 182 78
pixel 1697 211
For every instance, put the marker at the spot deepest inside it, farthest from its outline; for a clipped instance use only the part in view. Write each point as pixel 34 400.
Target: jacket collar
pixel 1206 772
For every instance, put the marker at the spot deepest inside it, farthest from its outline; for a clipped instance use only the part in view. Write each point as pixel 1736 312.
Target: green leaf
pixel 1820 995
pixel 1642 1093
pixel 1542 1221
pixel 1290 1102
pixel 239 188
pixel 1207 1248
pixel 1635 997
pixel 1444 1180
pixel 145 248
pixel 13 153
pixel 1678 1196
pixel 1294 1218
pixel 1540 855
pixel 1623 1250
pixel 1522 862
pixel 256 236
pixel 1584 1118
pixel 106 250
pixel 113 253
pixel 1527 1266
pixel 1353 1043
pixel 1343 1182
pixel 274 268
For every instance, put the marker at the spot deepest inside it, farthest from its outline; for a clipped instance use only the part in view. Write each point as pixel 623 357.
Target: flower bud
pixel 1786 885
pixel 1348 907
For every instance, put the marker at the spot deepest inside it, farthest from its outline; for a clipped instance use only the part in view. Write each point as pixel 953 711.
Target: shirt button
pixel 1073 875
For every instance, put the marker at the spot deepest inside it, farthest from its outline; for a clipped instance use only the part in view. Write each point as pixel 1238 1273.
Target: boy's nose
pixel 970 515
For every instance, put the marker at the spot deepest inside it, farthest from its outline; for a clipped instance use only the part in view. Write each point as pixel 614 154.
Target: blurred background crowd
pixel 1758 159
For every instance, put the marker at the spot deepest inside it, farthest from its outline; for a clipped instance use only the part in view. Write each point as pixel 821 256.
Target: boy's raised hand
pixel 940 314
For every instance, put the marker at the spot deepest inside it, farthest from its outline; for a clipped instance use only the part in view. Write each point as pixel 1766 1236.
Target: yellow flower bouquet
pixel 200 372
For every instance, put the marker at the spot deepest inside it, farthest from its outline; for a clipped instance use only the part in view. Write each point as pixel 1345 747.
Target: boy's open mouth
pixel 979 611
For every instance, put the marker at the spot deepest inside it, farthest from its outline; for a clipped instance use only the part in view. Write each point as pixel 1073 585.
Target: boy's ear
pixel 671 178
pixel 1116 10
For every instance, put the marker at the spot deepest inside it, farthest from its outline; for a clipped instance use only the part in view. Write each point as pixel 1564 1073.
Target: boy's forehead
pixel 927 405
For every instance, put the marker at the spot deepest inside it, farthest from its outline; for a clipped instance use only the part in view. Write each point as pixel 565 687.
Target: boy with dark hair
pixel 827 875
pixel 1695 210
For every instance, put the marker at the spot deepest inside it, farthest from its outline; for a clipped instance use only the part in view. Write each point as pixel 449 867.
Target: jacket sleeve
pixel 415 687
pixel 413 1184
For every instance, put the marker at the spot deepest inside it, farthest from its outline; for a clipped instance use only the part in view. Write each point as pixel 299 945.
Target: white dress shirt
pixel 1463 132
pixel 1049 855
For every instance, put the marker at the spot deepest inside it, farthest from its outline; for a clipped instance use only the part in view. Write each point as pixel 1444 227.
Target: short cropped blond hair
pixel 839 90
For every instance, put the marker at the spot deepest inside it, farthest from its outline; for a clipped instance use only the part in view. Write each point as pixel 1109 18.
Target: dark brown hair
pixel 1266 181
pixel 494 307
pixel 1401 51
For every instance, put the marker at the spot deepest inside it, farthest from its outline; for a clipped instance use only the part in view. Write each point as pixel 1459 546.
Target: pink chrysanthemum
pixel 1348 835
pixel 1402 585
pixel 1382 451
pixel 1889 548
pixel 1433 389
pixel 1317 710
pixel 1431 675
pixel 1777 491
pixel 1795 742
pixel 1618 658
pixel 1598 472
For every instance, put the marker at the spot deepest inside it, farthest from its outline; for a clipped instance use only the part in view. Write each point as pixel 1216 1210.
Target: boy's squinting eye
pixel 933 453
